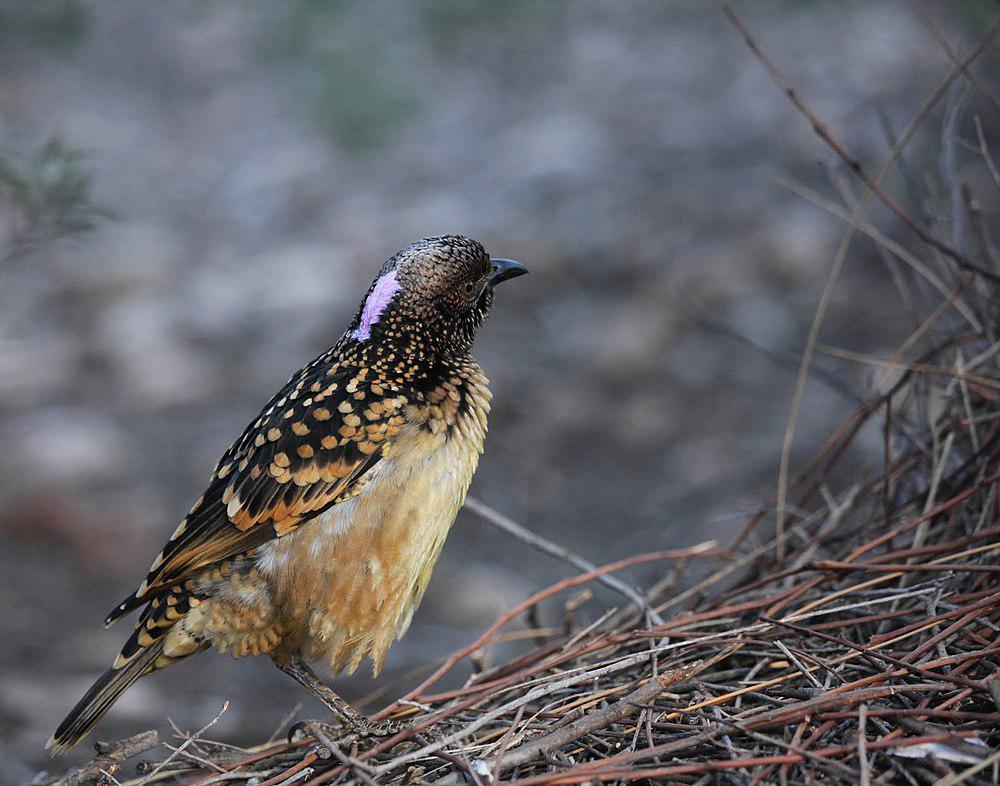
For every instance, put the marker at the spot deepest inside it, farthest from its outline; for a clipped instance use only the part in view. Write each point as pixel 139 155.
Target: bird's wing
pixel 305 452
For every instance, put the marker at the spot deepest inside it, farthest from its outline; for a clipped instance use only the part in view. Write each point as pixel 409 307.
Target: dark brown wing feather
pixel 305 452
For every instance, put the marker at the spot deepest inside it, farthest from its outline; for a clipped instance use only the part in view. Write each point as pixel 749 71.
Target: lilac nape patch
pixel 376 303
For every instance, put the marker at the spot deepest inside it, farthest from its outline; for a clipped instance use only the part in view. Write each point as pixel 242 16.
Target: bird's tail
pixel 146 650
pixel 102 694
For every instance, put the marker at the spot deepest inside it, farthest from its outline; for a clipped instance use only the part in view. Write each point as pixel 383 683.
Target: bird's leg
pixel 352 722
pixel 299 671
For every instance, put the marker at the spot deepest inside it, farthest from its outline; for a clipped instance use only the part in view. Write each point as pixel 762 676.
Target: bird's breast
pixel 347 582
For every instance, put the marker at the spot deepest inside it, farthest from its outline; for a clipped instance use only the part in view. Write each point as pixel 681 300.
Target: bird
pixel 317 534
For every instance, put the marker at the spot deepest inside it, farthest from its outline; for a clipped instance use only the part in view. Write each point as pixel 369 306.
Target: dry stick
pixel 707 319
pixel 838 443
pixel 948 165
pixel 295 769
pixel 835 446
pixel 943 635
pixel 856 166
pixel 506 524
pixel 189 754
pixel 926 712
pixel 726 570
pixel 529 696
pixel 180 748
pixel 359 769
pixel 765 772
pixel 684 743
pixel 967 613
pixel 836 695
pixel 841 179
pixel 901 567
pixel 109 756
pixel 866 775
pixel 925 368
pixel 942 39
pixel 601 719
pixel 582 774
pixel 907 526
pixel 961 681
pixel 940 548
pixel 978 223
pixel 794 674
pixel 871 399
pixel 984 151
pixel 781 715
pixel 548 657
pixel 822 761
pixel 505 741
pixel 789 713
pixel 856 214
pixel 882 580
pixel 798 664
pixel 880 238
pixel 836 515
pixel 703 549
pixel 786 708
pixel 391 742
pixel 887 464
pixel 262 752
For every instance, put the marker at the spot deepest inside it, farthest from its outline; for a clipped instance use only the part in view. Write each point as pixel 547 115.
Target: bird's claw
pixel 384 728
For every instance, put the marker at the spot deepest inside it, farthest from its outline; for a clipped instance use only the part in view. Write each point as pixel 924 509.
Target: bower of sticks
pixel 848 635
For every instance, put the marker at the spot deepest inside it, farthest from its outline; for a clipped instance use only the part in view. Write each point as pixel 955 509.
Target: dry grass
pixel 849 635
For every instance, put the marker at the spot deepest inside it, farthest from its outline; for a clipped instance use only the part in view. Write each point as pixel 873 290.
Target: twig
pixel 962 681
pixel 361 770
pixel 109 756
pixel 702 549
pixel 601 719
pixel 866 775
pixel 506 524
pixel 984 151
pixel 942 39
pixel 841 254
pixel 180 748
pixel 823 132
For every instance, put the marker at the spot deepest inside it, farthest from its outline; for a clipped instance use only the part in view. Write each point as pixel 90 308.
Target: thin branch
pixel 180 748
pixel 856 216
pixel 601 719
pixel 856 166
pixel 109 757
pixel 506 524
pixel 942 39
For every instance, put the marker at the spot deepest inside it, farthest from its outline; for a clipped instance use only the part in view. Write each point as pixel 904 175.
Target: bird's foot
pixel 385 728
pixel 345 732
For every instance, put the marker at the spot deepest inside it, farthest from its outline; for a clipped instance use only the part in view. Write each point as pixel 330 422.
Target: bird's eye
pixel 469 287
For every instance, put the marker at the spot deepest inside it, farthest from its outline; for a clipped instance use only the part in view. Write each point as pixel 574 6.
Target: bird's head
pixel 435 293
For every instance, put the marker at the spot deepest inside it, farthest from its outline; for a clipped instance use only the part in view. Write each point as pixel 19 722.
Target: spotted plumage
pixel 320 525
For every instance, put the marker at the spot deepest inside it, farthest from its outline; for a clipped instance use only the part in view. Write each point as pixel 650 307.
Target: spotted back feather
pixel 308 449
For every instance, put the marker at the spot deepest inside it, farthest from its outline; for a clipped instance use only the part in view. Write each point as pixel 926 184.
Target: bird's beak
pixel 504 269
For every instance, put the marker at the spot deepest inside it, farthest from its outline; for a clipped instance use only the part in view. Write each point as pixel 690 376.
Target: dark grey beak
pixel 504 269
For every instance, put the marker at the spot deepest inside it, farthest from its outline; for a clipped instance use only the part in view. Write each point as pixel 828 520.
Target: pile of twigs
pixel 849 635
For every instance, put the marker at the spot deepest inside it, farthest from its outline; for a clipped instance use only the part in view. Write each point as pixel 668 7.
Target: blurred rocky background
pixel 193 197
